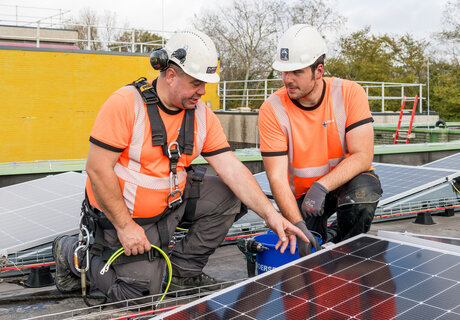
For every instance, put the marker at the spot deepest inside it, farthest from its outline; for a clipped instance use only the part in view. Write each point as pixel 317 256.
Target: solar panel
pixel 445 243
pixel 364 277
pixel 398 181
pixel 35 212
pixel 262 180
pixel 451 162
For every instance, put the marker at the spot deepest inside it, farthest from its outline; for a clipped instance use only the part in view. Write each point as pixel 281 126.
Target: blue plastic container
pixel 270 259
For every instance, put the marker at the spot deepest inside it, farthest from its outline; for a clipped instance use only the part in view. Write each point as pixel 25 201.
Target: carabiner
pixel 174 143
pixel 76 261
pixel 173 182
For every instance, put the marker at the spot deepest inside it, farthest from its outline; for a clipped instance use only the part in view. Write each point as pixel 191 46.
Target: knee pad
pixel 365 188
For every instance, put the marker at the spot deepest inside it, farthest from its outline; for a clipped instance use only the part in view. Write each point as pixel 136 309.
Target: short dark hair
pixel 174 66
pixel 318 61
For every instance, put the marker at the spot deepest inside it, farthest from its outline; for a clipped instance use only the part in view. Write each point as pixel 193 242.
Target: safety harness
pixel 93 221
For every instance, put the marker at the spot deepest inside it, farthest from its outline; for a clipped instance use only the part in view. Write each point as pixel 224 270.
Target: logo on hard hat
pixel 211 70
pixel 284 54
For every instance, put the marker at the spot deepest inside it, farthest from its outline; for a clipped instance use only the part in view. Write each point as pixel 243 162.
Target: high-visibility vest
pixel 340 121
pixel 145 195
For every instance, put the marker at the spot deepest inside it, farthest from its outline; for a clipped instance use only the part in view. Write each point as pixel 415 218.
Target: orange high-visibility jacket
pixel 143 171
pixel 313 138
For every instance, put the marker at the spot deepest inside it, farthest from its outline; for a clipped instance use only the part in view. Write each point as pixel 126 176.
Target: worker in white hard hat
pixel 316 140
pixel 139 187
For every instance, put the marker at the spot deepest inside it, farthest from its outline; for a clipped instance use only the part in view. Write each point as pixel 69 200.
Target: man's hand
pixel 305 247
pixel 313 203
pixel 286 232
pixel 133 239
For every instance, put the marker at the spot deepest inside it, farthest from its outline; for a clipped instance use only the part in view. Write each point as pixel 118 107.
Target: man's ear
pixel 319 71
pixel 170 75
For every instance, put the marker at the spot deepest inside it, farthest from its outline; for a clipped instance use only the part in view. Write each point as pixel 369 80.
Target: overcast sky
pixel 417 17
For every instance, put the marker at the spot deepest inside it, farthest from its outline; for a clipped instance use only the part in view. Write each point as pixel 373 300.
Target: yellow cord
pixel 120 251
pixel 453 185
pixel 181 229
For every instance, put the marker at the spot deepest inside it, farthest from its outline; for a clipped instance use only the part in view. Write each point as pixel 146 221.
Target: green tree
pixel 363 56
pixel 445 90
pixel 145 41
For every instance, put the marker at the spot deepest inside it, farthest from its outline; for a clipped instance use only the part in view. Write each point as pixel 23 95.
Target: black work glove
pixel 313 203
pixel 305 248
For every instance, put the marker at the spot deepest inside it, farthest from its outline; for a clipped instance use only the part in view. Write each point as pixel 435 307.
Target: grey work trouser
pixel 215 213
pixel 355 203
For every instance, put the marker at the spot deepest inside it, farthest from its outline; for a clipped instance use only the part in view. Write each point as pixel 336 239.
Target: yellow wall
pixel 49 99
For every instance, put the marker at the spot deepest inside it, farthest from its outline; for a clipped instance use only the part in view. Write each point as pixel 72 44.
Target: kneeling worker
pixel 138 189
pixel 317 142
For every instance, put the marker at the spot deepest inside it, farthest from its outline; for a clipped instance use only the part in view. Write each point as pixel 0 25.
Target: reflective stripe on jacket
pixel 140 190
pixel 340 120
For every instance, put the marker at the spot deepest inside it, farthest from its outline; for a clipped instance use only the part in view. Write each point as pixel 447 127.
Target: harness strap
pixel 190 208
pixel 187 132
pixel 159 136
pixel 163 234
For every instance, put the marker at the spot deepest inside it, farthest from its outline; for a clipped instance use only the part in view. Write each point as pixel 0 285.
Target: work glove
pixel 313 203
pixel 305 248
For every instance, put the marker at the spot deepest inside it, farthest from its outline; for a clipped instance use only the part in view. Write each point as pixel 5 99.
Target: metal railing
pixel 102 42
pixel 237 94
pixel 405 209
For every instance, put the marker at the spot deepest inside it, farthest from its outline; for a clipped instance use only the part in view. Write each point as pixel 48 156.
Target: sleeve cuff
pixel 359 123
pixel 215 152
pixel 105 145
pixel 274 154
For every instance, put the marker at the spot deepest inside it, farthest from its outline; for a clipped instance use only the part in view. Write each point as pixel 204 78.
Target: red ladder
pixel 401 113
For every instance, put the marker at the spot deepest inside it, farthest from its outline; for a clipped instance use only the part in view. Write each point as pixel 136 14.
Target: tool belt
pixel 96 221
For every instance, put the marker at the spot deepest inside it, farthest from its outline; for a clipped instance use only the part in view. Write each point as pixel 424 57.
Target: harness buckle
pixel 176 202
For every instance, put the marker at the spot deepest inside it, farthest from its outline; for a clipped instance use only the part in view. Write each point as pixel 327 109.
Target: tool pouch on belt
pixel 194 194
pixel 96 222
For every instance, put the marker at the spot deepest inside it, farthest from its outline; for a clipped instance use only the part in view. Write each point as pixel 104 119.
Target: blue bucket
pixel 270 259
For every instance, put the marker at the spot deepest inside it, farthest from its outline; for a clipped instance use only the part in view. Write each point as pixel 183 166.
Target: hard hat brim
pixel 210 78
pixel 286 66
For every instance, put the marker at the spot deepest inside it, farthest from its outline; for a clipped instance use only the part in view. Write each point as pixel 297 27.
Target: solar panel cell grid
pixel 397 180
pixel 451 162
pixel 352 281
pixel 34 212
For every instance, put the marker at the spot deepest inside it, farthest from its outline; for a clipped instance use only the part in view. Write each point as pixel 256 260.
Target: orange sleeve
pixel 272 137
pixel 357 105
pixel 114 122
pixel 216 141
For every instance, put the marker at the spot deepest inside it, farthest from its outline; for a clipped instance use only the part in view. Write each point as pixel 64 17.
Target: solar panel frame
pixel 451 162
pixel 420 239
pixel 418 179
pixel 35 212
pixel 399 292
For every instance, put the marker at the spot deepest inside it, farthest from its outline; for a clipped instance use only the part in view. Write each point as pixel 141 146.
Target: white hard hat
pixel 199 59
pixel 298 48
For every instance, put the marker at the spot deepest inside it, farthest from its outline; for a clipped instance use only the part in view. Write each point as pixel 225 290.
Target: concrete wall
pixel 393 118
pixel 241 129
pixel 29 34
pixel 50 98
pixel 386 135
pixel 413 158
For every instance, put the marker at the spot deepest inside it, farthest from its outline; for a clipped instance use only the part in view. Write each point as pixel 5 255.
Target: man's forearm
pixel 286 201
